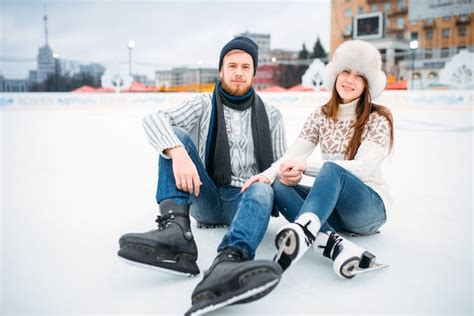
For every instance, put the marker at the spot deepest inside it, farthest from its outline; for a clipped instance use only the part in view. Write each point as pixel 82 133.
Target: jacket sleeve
pixel 158 126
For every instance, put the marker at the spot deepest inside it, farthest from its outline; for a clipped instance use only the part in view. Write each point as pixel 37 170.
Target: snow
pixel 76 177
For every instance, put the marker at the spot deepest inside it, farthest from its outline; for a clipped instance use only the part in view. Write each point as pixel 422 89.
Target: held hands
pixel 184 171
pixel 291 172
pixel 256 178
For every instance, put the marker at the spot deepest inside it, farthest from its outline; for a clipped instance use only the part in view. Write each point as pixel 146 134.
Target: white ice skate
pixel 294 239
pixel 349 259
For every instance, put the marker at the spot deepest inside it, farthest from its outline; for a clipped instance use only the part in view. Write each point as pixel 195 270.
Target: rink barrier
pixel 446 99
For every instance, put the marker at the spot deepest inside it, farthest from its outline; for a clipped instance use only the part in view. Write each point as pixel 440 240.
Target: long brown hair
pixel 363 110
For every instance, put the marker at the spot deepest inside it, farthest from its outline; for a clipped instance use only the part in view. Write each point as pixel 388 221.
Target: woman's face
pixel 349 85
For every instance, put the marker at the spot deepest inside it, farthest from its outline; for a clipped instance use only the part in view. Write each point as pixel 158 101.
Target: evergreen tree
pixel 303 53
pixel 318 50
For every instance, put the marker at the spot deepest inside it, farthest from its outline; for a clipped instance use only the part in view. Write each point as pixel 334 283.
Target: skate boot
pixel 294 239
pixel 349 259
pixel 170 248
pixel 233 279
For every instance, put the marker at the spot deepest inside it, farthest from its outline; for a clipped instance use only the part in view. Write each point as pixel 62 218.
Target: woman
pixel 349 194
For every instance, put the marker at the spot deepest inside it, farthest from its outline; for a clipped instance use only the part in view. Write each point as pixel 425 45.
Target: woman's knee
pixel 280 188
pixel 330 166
pixel 367 229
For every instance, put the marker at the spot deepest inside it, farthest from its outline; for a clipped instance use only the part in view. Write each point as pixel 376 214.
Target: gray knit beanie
pixel 242 43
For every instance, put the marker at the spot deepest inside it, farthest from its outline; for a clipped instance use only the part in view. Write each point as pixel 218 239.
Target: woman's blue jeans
pixel 246 214
pixel 341 201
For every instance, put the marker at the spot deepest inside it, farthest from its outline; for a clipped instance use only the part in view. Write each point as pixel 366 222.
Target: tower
pixel 45 57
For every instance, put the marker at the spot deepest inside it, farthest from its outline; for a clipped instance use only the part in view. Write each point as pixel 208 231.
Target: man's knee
pixel 183 136
pixel 260 191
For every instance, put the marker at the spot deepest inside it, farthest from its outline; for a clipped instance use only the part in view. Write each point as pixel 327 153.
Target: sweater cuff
pixel 168 146
pixel 313 168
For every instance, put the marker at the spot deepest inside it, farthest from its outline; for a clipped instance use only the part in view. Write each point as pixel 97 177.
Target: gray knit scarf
pixel 217 148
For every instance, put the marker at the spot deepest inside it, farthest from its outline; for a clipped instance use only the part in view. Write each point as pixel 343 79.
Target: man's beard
pixel 236 91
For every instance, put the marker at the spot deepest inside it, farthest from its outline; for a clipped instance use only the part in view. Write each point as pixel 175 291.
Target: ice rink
pixel 75 177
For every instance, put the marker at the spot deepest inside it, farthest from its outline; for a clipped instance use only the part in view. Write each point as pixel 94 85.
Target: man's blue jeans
pixel 246 214
pixel 341 201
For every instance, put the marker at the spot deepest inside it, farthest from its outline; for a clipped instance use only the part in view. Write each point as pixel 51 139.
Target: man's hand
pixel 256 178
pixel 185 173
pixel 291 172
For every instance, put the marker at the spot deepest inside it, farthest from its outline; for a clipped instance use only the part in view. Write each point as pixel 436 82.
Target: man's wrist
pixel 173 151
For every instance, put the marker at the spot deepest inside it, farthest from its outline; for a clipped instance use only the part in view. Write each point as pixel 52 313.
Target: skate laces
pixel 333 246
pixel 164 220
pixel 309 238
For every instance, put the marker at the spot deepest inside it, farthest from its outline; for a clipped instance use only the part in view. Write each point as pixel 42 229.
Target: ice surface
pixel 75 178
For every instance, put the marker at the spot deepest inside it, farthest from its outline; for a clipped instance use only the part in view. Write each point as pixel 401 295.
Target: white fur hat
pixel 361 56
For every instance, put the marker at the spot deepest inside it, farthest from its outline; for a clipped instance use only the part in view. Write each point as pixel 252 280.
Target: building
pixel 279 55
pixel 45 59
pixel 141 78
pixel 181 76
pixel 45 62
pixel 269 72
pixel 268 75
pixel 269 69
pixel 390 26
pixel 163 78
pixel 33 77
pixel 263 43
pixel 13 85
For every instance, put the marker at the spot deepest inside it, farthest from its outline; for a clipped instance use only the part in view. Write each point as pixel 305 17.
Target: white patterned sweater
pixel 333 138
pixel 194 117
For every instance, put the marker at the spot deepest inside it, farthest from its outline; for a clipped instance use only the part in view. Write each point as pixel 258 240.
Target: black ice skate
pixel 293 240
pixel 233 279
pixel 170 248
pixel 349 259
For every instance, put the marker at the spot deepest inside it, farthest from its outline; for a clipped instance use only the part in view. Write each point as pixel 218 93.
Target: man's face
pixel 237 72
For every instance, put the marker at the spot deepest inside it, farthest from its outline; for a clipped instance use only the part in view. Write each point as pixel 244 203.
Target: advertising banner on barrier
pixel 414 99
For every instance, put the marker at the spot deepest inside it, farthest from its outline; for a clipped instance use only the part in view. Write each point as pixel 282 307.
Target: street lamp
pixel 131 45
pixel 413 47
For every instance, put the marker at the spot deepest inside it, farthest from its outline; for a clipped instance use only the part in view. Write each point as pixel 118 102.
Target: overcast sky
pixel 167 33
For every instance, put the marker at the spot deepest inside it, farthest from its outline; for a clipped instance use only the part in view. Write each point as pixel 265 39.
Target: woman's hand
pixel 256 178
pixel 291 172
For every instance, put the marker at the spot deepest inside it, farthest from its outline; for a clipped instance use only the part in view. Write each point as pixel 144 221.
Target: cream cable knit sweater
pixel 333 138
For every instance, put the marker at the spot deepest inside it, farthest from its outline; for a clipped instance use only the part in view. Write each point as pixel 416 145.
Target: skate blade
pixel 373 267
pixel 281 248
pixel 155 268
pixel 232 300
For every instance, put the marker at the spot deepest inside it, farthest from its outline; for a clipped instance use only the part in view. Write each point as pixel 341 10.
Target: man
pixel 209 146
